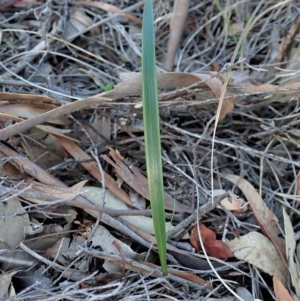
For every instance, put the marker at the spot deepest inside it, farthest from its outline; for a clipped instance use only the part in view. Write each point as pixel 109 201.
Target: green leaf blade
pixel 152 133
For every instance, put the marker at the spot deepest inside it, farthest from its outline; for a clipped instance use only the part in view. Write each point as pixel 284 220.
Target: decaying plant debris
pixel 76 220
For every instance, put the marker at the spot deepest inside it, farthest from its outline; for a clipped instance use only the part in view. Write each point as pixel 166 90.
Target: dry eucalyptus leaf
pixel 138 182
pixel 264 216
pixel 131 84
pixel 12 226
pixel 5 96
pixel 95 195
pixel 290 243
pixel 108 243
pixel 258 250
pixel 55 191
pixel 92 167
pixel 31 110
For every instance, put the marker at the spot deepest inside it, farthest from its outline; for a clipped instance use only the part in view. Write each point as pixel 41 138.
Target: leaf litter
pixel 65 132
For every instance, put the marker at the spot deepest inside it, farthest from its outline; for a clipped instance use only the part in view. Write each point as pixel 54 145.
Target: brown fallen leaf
pixel 24 125
pixel 55 191
pixel 27 98
pixel 30 110
pixel 213 247
pixel 135 179
pixel 264 216
pixel 280 291
pixel 45 128
pixel 258 250
pixel 76 152
pixel 131 84
pixel 26 165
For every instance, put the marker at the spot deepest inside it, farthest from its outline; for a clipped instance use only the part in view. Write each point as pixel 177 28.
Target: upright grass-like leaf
pixel 152 133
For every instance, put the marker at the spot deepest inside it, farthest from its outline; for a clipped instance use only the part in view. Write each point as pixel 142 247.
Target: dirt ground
pixel 75 212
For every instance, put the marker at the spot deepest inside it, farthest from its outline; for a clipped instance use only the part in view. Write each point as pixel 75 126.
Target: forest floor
pixel 76 221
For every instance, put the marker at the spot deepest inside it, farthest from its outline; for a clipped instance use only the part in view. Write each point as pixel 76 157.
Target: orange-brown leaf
pixel 213 247
pixel 280 291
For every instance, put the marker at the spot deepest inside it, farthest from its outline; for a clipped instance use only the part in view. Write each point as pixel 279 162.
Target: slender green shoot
pixel 152 133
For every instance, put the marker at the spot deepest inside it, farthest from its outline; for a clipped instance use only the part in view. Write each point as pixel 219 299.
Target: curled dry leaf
pixel 213 247
pixel 234 204
pixel 264 216
pixel 131 84
pixel 258 250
